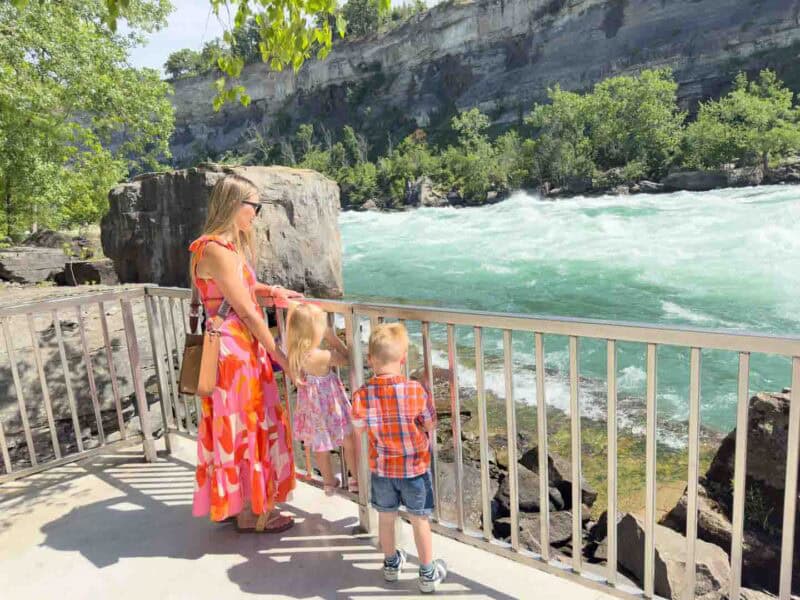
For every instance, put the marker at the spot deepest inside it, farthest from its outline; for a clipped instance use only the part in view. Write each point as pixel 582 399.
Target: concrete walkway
pixel 113 527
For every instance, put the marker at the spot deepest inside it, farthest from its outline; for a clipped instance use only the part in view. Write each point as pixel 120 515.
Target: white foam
pixel 675 311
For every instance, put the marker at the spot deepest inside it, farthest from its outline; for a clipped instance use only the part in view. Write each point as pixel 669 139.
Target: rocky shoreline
pixel 763 508
pixel 423 193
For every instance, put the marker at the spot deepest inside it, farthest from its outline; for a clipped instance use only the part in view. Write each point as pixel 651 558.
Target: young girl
pixel 322 418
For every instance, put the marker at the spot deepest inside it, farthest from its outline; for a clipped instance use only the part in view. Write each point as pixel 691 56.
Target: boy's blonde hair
pixel 303 326
pixel 388 343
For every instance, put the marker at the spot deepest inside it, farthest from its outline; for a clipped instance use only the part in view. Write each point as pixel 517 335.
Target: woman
pixel 244 451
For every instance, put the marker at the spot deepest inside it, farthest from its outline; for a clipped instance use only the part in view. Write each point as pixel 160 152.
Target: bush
pixel 408 162
pixel 756 122
pixel 562 149
pixel 358 183
pixel 636 119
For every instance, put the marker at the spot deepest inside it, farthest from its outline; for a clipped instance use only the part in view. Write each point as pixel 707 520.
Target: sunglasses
pixel 256 205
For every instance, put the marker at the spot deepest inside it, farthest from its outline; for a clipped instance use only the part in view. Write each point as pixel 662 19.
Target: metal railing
pixel 167 324
pixel 64 374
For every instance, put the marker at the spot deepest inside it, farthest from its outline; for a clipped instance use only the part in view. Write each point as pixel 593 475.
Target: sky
pixel 191 25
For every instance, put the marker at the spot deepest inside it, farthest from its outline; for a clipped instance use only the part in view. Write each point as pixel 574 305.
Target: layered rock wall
pixel 498 55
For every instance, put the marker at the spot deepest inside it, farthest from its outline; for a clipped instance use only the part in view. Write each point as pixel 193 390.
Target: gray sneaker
pixel 430 581
pixel 393 573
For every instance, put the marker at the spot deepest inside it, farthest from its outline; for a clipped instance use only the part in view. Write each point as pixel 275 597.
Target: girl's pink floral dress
pixel 322 415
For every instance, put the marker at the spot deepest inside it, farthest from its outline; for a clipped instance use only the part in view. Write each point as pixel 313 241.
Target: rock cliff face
pixel 498 55
pixel 152 220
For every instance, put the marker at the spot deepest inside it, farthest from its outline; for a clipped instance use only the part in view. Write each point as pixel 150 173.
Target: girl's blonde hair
pixel 303 325
pixel 226 200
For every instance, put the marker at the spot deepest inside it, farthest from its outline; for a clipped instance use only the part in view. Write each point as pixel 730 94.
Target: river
pixel 727 259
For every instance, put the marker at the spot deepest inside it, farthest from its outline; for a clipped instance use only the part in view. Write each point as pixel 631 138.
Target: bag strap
pixel 196 305
pixel 194 309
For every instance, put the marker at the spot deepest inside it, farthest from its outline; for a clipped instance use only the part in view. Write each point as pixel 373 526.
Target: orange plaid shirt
pixel 394 411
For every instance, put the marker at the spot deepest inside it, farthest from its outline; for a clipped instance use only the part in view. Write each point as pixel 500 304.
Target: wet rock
pixel 713 570
pixel 529 496
pixel 650 187
pixel 559 473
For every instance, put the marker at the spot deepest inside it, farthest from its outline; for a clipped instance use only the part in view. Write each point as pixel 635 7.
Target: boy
pixel 398 416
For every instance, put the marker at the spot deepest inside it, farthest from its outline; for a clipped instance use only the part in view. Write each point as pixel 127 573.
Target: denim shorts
pixel 415 493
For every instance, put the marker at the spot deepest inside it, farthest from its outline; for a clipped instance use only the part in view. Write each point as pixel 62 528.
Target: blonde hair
pixel 226 200
pixel 388 343
pixel 302 328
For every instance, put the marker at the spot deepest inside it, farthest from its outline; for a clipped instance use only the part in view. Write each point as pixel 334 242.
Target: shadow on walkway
pixel 319 557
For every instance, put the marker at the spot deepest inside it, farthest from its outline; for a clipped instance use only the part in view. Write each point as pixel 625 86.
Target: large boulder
pixel 767 440
pixel 152 220
pixel 559 530
pixel 760 552
pixel 76 246
pixel 702 181
pixel 695 181
pixel 28 264
pixel 421 192
pixel 90 272
pixel 471 488
pixel 712 567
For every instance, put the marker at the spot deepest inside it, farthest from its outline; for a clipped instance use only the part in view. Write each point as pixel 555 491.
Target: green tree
pixel 636 119
pixel 183 63
pixel 304 139
pixel 289 31
pixel 410 160
pixel 563 148
pixel 756 122
pixel 362 16
pixel 509 171
pixel 358 183
pixel 74 117
pixel 471 165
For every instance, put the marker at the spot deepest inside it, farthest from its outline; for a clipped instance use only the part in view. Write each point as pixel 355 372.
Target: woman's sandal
pixel 352 485
pixel 267 524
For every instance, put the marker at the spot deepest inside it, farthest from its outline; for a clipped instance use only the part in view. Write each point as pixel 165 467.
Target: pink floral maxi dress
pixel 244 450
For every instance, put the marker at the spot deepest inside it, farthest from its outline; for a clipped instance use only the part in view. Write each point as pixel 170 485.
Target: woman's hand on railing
pixel 277 293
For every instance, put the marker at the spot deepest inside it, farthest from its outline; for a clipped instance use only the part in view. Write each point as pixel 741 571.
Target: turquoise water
pixel 727 259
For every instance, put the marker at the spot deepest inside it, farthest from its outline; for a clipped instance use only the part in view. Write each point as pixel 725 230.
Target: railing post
pixel 367 520
pixel 650 476
pixel 455 425
pixel 165 401
pixel 148 444
pixel 428 383
pixel 23 410
pixel 790 487
pixel 577 473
